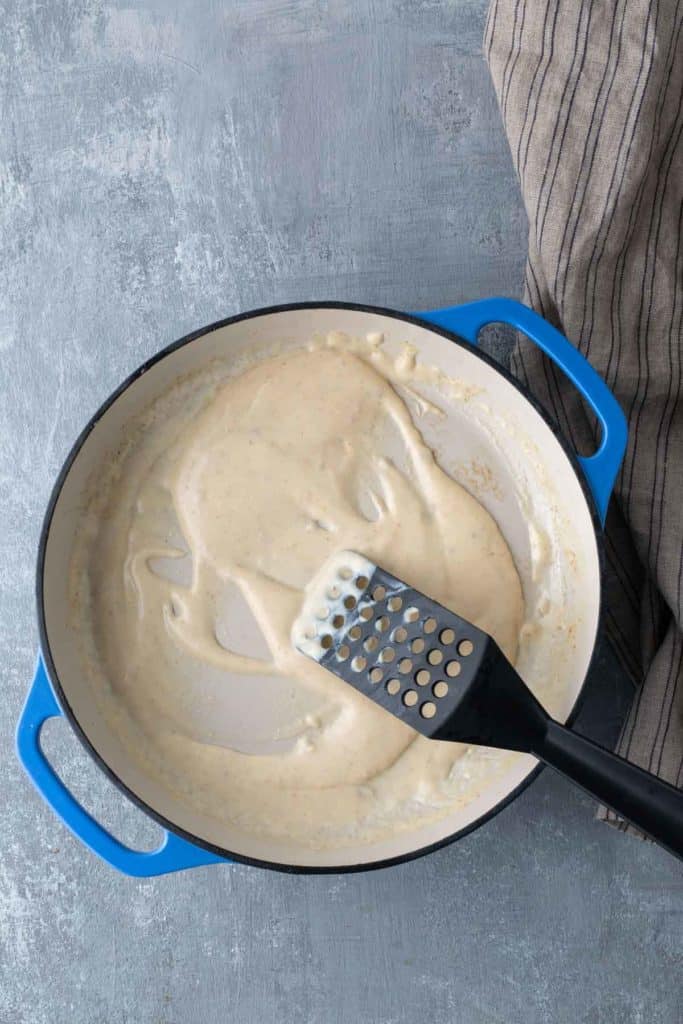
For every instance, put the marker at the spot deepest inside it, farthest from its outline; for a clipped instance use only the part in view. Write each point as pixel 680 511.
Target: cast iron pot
pixel 503 429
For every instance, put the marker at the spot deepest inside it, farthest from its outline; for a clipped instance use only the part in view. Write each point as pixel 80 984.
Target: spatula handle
pixel 647 802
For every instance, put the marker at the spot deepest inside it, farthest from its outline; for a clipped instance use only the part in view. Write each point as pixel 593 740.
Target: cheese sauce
pixel 201 539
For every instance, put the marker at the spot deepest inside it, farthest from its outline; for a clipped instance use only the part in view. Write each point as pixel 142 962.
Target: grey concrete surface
pixel 163 164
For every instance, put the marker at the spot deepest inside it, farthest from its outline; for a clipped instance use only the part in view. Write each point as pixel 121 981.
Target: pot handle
pixel 174 854
pixel 601 468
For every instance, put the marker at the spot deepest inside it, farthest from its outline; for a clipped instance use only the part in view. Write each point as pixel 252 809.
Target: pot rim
pixel 165 823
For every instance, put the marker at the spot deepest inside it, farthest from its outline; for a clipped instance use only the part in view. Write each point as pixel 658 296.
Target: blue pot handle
pixel 601 468
pixel 174 854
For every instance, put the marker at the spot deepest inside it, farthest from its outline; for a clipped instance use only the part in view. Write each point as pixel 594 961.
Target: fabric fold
pixel 591 95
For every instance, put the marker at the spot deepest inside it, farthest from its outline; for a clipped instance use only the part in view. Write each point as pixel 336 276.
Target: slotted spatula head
pixel 418 660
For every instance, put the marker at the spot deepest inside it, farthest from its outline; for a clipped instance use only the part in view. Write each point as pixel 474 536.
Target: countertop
pixel 163 165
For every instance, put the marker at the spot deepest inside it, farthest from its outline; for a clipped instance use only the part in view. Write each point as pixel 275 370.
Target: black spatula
pixel 450 681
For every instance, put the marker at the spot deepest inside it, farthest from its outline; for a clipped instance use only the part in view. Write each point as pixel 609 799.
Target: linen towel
pixel 591 95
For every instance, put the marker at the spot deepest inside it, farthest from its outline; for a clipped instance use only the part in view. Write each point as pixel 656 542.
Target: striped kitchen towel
pixel 591 94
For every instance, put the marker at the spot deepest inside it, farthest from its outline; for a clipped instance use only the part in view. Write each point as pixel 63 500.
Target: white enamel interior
pixel 498 429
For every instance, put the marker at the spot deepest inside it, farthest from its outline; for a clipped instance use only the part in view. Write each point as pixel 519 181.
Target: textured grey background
pixel 162 165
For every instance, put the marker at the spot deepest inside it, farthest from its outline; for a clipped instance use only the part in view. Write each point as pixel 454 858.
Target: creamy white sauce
pixel 200 542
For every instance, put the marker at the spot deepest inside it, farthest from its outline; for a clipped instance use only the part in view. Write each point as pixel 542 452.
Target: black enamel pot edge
pixel 53 675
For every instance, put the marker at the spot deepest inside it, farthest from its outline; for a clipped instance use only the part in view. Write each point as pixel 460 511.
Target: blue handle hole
pixel 94 791
pixel 497 340
pixel 582 430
